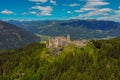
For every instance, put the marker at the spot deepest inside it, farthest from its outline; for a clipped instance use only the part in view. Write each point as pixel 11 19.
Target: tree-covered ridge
pixel 99 60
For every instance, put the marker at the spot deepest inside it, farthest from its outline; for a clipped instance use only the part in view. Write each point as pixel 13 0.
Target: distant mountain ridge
pixel 92 24
pixel 12 36
pixel 78 29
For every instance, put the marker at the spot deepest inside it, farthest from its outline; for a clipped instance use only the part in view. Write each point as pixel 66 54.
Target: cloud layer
pixel 96 9
pixel 43 11
pixel 67 9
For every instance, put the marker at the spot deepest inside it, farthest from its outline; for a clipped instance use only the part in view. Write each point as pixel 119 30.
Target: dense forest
pixel 99 60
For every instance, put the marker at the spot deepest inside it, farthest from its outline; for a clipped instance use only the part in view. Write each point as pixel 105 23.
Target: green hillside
pixel 99 60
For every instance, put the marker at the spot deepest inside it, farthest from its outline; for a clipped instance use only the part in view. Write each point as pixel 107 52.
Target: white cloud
pixel 95 3
pixel 117 11
pixel 74 4
pixel 101 14
pixel 33 12
pixel 7 12
pixel 119 7
pixel 97 12
pixel 93 8
pixel 30 12
pixel 92 5
pixel 113 17
pixel 37 1
pixel 85 9
pixel 24 13
pixel 53 2
pixel 43 11
pixel 69 12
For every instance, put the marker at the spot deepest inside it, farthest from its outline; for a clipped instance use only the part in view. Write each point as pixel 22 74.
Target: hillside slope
pixel 14 37
pixel 99 60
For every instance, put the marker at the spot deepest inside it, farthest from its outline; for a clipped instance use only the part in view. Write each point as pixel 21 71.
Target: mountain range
pixel 12 36
pixel 78 29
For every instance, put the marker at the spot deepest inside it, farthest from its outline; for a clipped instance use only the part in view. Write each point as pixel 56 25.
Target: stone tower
pixel 68 38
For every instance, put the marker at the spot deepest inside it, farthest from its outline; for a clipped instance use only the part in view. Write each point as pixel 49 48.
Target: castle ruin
pixel 62 41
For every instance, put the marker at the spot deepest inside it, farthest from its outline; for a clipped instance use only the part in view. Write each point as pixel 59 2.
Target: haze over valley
pixel 78 29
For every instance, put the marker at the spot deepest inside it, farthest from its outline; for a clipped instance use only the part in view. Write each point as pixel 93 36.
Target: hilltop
pixel 98 60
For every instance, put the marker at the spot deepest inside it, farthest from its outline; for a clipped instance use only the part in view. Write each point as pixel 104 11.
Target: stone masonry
pixel 62 41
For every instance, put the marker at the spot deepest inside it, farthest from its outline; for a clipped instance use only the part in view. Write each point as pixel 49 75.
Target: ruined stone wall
pixel 64 41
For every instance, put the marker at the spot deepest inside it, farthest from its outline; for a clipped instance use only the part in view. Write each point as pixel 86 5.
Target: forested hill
pixel 78 29
pixel 99 60
pixel 12 36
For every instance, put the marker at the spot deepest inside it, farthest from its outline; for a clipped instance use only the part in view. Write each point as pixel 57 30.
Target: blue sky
pixel 60 9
